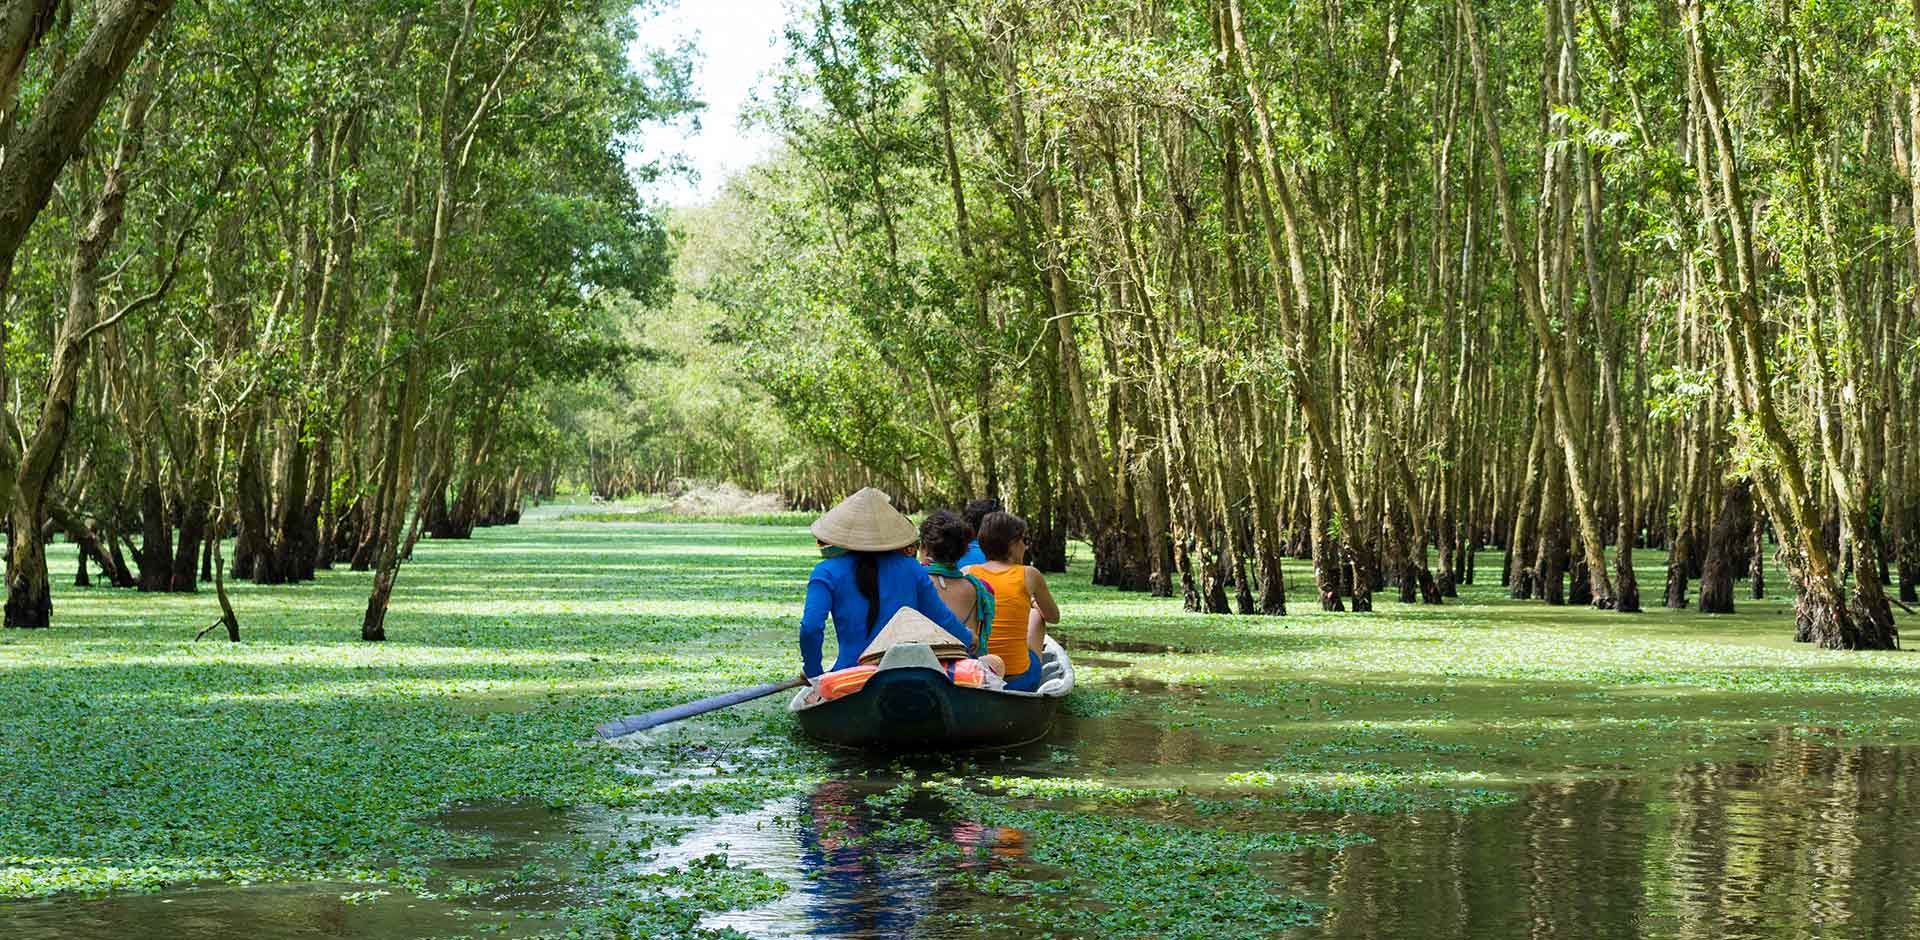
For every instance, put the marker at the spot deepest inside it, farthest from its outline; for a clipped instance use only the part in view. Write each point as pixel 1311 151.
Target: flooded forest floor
pixel 1487 768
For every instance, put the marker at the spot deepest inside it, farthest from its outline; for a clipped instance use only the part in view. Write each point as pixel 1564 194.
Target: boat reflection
pixel 877 862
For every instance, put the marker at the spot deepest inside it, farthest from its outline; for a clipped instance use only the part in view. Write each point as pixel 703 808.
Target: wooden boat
pixel 910 705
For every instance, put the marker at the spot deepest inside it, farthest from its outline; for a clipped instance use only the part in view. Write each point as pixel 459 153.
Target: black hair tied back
pixel 866 577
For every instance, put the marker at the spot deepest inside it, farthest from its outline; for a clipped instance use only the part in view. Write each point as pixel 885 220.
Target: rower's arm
pixel 1042 598
pixel 813 624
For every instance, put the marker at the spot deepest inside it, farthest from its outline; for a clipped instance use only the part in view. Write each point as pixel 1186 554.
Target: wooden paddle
pixel 654 719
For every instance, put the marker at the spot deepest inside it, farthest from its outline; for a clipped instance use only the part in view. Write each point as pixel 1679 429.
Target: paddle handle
pixel 654 719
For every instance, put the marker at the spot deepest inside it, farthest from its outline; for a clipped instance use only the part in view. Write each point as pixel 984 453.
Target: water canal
pixel 1452 773
pixel 1805 839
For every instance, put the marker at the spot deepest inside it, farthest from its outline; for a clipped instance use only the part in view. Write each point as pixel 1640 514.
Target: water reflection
pixel 1806 841
pixel 503 892
pixel 862 859
pixel 1812 841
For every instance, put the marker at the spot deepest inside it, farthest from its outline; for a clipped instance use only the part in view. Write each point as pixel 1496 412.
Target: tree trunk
pixel 1522 575
pixel 1550 562
pixel 156 540
pixel 1325 551
pixel 252 559
pixel 193 525
pixel 29 600
pixel 1679 560
pixel 1579 580
pixel 228 618
pixel 22 194
pixel 1729 528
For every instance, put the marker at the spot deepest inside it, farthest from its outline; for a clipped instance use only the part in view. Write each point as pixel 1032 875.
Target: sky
pixel 738 42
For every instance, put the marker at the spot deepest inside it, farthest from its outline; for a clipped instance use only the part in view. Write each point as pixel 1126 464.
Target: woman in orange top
pixel 1022 604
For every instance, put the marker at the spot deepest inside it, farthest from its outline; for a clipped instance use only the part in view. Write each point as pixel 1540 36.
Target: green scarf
pixel 982 600
pixel 831 551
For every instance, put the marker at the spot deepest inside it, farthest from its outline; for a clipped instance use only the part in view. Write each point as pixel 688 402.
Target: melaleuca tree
pixel 1383 287
pixel 349 242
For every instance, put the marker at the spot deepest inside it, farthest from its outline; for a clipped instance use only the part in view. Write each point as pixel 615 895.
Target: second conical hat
pixel 911 626
pixel 866 522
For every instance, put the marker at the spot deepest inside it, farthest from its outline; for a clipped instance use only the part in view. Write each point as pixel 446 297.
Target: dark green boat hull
pixel 921 710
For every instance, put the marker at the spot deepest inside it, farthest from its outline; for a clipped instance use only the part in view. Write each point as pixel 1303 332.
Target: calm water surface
pixel 522 836
pixel 1811 841
pixel 1805 841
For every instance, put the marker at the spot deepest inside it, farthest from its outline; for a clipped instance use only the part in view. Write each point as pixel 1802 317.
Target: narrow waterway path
pixel 1487 769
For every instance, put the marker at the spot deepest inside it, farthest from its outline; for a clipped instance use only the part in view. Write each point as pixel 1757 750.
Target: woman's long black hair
pixel 866 577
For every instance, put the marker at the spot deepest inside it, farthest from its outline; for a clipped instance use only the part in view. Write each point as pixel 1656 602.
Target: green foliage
pixel 669 903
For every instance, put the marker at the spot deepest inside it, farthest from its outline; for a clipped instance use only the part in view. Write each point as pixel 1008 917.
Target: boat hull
pixel 915 707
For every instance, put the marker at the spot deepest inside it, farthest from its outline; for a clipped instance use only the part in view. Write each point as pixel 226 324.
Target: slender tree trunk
pixel 1572 444
pixel 1550 563
pixel 1522 576
pixel 29 599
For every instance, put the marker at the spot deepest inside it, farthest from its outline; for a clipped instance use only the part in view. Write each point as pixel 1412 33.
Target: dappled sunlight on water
pixel 854 871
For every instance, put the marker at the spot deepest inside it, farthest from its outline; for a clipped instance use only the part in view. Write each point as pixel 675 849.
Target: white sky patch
pixel 739 42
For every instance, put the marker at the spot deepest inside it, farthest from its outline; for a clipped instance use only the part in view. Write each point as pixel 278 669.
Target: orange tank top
pixel 1011 603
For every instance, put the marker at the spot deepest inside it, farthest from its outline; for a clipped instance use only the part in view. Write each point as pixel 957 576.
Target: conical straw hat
pixel 866 522
pixel 911 626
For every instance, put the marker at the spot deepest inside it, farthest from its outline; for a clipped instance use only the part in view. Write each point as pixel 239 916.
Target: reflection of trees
pixel 1812 841
pixel 1691 846
pixel 1586 866
pixel 1562 862
pixel 1131 743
